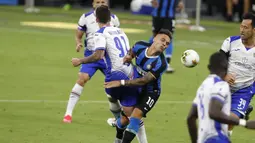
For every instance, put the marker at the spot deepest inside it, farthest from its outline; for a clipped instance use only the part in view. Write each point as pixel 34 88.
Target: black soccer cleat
pixel 248 111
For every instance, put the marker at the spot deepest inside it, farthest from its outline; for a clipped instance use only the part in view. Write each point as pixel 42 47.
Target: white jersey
pixel 212 87
pixel 116 45
pixel 241 62
pixel 88 24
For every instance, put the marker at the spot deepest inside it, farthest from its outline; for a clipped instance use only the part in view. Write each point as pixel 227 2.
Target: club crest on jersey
pixel 148 66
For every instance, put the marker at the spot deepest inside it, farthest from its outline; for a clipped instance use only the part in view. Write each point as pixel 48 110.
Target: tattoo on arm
pixel 94 57
pixel 140 81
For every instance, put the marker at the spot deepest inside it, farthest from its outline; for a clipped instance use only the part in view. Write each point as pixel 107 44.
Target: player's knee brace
pixel 134 125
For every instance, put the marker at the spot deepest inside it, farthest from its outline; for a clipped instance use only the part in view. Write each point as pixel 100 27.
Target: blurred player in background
pixel 240 52
pixel 163 16
pixel 212 106
pixel 112 44
pixel 87 25
pixel 151 64
pixel 30 6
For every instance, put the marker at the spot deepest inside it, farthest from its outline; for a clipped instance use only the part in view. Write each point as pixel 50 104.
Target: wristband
pixel 122 82
pixel 242 122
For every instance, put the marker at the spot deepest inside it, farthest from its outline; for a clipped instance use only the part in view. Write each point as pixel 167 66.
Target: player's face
pixel 246 29
pixel 161 42
pixel 97 3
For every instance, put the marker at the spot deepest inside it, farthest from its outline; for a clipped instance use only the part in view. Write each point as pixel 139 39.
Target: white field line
pixel 89 101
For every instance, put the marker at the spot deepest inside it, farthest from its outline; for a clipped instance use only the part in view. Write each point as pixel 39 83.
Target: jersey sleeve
pixel 159 68
pixel 226 45
pixel 220 91
pixel 195 101
pixel 100 41
pixel 82 23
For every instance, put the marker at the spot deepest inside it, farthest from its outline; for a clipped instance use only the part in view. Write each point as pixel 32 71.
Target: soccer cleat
pixel 169 69
pixel 67 119
pixel 111 122
pixel 248 111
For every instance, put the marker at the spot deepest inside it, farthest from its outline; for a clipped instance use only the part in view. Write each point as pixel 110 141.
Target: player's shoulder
pixel 113 16
pixel 220 84
pixel 90 13
pixel 231 39
pixel 142 44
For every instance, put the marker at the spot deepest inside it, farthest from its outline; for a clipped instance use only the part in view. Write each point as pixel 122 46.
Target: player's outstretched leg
pixel 75 96
pixel 121 124
pixel 115 108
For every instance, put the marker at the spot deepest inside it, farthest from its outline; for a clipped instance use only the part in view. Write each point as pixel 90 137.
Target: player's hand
pixel 180 6
pixel 112 84
pixel 250 124
pixel 78 47
pixel 76 62
pixel 154 3
pixel 127 59
pixel 230 78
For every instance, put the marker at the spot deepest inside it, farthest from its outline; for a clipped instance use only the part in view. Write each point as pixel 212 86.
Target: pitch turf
pixel 35 66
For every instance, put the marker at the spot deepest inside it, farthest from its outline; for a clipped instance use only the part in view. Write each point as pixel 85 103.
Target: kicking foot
pixel 111 122
pixel 67 119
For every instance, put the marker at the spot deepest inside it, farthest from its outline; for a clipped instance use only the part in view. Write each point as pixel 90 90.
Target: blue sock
pixel 134 125
pixel 151 39
pixel 169 50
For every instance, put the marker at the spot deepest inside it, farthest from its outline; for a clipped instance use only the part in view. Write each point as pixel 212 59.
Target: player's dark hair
pixel 251 17
pixel 103 14
pixel 218 63
pixel 167 32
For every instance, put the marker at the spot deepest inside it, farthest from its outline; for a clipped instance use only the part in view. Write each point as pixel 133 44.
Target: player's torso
pixel 117 47
pixel 241 64
pixel 166 9
pixel 92 27
pixel 145 63
pixel 208 127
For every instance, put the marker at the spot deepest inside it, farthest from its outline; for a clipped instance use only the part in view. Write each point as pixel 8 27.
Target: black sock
pixel 168 60
pixel 128 137
pixel 119 133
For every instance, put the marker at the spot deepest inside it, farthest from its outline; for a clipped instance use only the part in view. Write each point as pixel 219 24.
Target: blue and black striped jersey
pixel 165 9
pixel 156 65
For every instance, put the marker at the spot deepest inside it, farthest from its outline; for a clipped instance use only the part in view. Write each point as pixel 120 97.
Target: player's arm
pixel 218 98
pixel 225 48
pixel 80 32
pixel 96 56
pixel 191 121
pixel 147 78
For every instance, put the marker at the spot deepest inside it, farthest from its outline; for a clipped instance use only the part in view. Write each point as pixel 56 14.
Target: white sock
pixel 73 99
pixel 230 133
pixel 114 106
pixel 141 135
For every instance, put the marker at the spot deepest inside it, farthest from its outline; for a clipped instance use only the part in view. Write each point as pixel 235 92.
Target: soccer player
pixel 151 64
pixel 163 16
pixel 211 106
pixel 87 25
pixel 112 44
pixel 240 52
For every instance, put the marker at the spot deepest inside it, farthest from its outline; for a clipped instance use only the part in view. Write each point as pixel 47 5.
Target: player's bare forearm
pixel 96 56
pixel 191 121
pixel 78 36
pixel 140 81
pixel 216 113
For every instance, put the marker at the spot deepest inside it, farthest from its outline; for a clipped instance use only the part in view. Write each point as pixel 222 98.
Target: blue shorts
pixel 241 100
pixel 127 96
pixel 91 68
pixel 218 139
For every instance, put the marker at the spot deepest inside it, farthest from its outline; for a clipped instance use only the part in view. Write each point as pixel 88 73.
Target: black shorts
pixel 159 23
pixel 147 100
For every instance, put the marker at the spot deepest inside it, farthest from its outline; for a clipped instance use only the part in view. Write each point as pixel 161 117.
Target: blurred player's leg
pixel 141 135
pixel 115 107
pixel 75 96
pixel 30 6
pixel 168 56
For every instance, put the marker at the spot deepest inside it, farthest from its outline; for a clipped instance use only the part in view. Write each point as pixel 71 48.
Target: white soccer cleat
pixel 111 122
pixel 169 69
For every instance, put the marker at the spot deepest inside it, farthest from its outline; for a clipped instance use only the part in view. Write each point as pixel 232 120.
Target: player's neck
pixel 152 52
pixel 249 42
pixel 103 24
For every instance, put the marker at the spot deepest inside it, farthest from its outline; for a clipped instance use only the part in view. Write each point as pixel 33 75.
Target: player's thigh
pixel 169 23
pixel 157 24
pixel 147 100
pixel 218 139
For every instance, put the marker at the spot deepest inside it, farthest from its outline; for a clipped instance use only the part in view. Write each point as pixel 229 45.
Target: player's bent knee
pixel 137 113
pixel 83 78
pixel 128 110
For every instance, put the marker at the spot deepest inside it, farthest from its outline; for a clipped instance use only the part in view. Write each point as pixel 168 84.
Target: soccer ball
pixel 136 5
pixel 190 58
